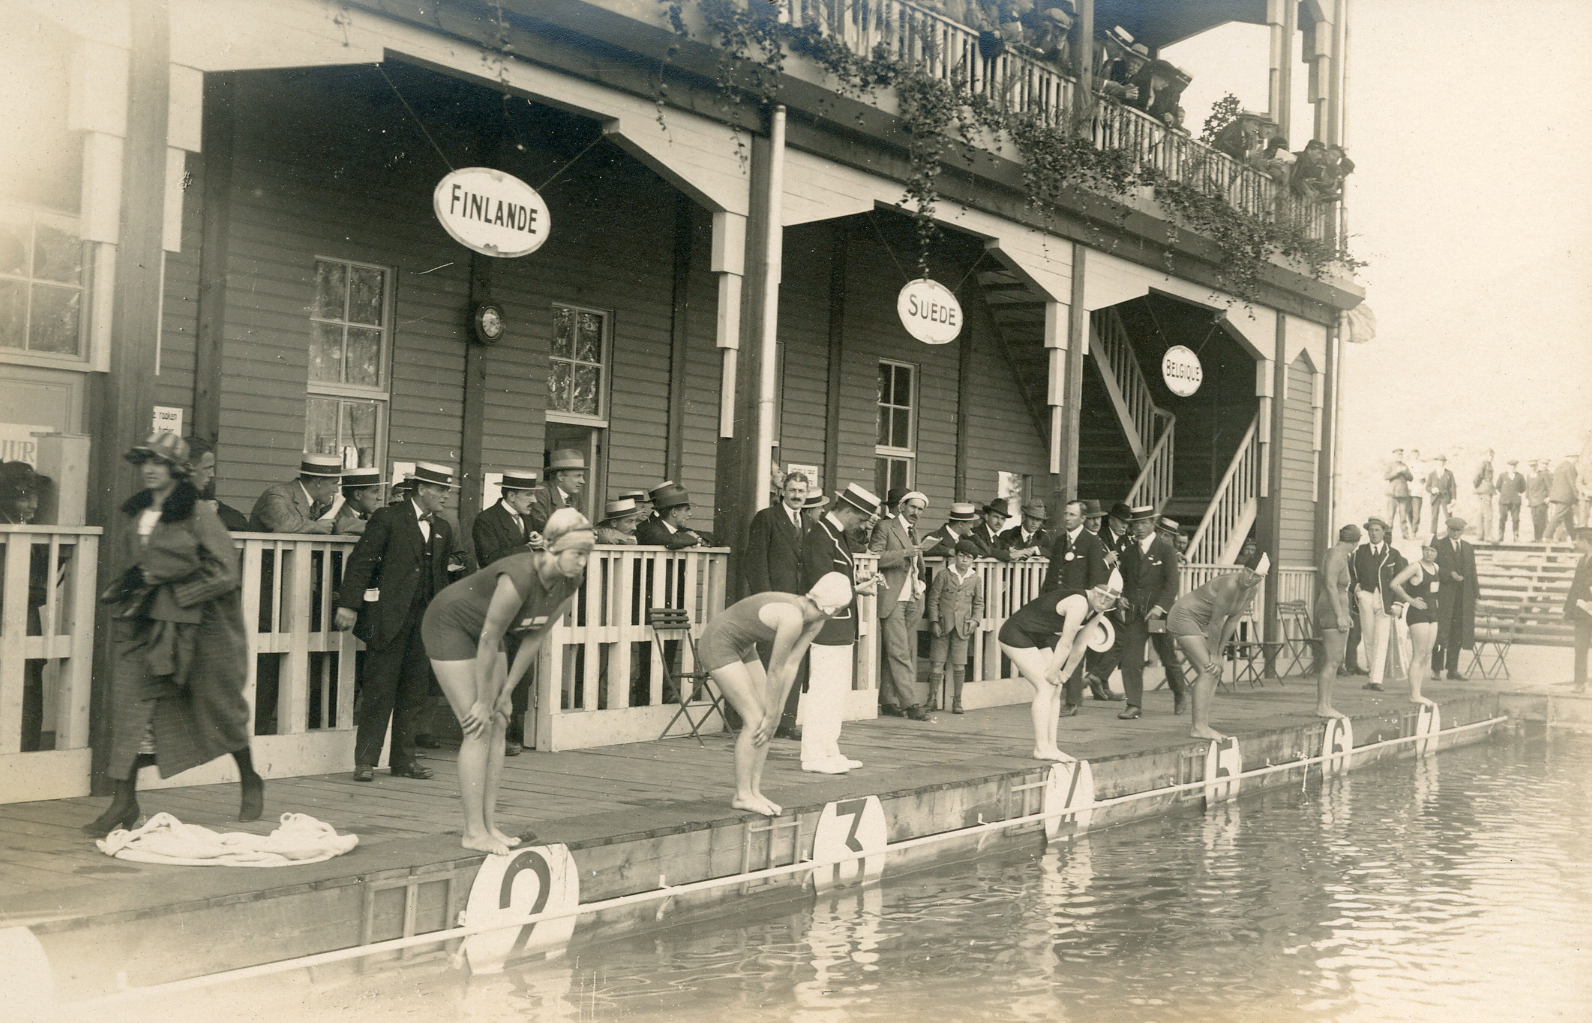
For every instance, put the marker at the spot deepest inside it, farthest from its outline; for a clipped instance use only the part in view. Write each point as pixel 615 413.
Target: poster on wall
pixel 17 443
pixel 167 418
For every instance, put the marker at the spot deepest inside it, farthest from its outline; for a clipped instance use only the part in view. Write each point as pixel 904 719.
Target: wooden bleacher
pixel 1532 579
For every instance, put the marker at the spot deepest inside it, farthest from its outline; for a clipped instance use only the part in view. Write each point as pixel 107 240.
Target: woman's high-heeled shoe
pixel 115 816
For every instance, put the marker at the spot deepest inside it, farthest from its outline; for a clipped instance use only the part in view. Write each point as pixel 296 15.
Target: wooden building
pixel 220 211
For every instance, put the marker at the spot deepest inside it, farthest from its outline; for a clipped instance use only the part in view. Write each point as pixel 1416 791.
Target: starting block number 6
pixel 846 828
pixel 1223 765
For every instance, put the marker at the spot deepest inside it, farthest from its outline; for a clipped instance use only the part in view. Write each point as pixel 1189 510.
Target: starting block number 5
pixel 846 828
pixel 506 890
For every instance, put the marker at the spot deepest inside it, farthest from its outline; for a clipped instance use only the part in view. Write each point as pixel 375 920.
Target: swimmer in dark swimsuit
pixel 728 647
pixel 1046 639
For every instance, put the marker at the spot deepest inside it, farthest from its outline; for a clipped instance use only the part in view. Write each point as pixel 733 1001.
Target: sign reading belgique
pixel 929 311
pixel 1181 370
pixel 493 213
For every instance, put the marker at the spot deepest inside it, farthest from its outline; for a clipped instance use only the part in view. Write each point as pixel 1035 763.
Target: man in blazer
pixel 504 528
pixel 825 549
pixel 1440 483
pixel 1578 604
pixel 772 561
pixel 1456 601
pixel 1373 567
pixel 901 588
pixel 361 497
pixel 566 482
pixel 987 534
pixel 1150 580
pixel 958 523
pixel 1077 565
pixel 398 565
pixel 302 505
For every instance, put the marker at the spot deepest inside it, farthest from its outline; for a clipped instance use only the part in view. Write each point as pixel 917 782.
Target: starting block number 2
pixel 506 890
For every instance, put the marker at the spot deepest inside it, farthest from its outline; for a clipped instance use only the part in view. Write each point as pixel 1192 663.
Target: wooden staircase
pixel 1534 578
pixel 1232 511
pixel 1147 428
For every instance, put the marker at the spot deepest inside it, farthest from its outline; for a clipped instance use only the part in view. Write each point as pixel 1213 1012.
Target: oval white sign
pixel 1181 370
pixel 493 213
pixel 929 311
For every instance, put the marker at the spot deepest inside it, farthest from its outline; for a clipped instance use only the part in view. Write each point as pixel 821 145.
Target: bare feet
pixel 757 804
pixel 1206 732
pixel 487 843
pixel 1053 754
pixel 1423 701
pixel 1328 712
pixel 507 840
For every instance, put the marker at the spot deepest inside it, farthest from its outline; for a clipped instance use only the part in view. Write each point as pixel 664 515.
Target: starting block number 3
pixel 847 828
pixel 506 890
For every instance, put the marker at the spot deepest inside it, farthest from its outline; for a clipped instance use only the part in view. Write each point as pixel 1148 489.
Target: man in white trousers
pixel 825 549
pixel 1373 567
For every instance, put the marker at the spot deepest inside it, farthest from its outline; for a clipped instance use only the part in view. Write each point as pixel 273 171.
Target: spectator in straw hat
pixel 566 483
pixel 1149 588
pixel 303 505
pixel 813 508
pixel 895 540
pixel 825 549
pixel 958 524
pixel 1029 538
pixel 620 517
pixel 400 562
pixel 505 528
pixel 361 496
pixel 642 498
pixel 671 510
pixel 1373 567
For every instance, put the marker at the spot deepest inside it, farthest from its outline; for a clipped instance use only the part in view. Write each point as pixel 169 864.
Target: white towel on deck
pixel 165 839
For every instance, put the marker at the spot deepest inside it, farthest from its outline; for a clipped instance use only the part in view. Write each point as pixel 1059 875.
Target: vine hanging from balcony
pixel 945 120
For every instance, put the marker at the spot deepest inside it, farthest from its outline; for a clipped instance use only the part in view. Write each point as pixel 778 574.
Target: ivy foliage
pixel 944 120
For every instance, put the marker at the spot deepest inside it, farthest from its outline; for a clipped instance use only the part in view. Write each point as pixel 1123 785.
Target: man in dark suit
pixel 958 523
pixel 1511 488
pixel 361 497
pixel 1578 604
pixel 1440 483
pixel 671 509
pixel 504 528
pixel 1029 538
pixel 1456 601
pixel 1077 565
pixel 772 561
pixel 901 590
pixel 398 565
pixel 987 534
pixel 825 549
pixel 1149 587
pixel 498 532
pixel 302 505
pixel 566 483
pixel 1373 567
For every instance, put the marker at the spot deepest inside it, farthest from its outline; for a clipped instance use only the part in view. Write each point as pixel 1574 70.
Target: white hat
pixel 1263 565
pixel 831 592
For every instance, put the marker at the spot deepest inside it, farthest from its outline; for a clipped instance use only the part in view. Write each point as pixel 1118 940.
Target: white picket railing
pixel 47 595
pixel 1125 384
pixel 1232 511
pixel 1154 485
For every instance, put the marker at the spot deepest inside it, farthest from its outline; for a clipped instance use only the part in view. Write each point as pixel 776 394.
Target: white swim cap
pixel 831 593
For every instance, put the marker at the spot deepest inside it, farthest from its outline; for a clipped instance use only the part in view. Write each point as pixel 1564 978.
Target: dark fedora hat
pixel 1092 509
pixel 670 495
pixel 997 505
pixel 1121 510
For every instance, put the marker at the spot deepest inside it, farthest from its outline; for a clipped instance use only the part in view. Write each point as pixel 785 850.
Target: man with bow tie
pixel 400 562
pixel 304 505
pixel 505 528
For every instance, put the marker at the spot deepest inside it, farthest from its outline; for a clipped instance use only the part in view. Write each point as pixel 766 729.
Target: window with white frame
pixel 350 345
pixel 41 283
pixel 895 447
pixel 577 365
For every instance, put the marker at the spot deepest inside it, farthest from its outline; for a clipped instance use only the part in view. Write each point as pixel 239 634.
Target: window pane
pixel 359 433
pixel 558 386
pixel 884 427
pixel 57 255
pixel 589 339
pixel 13 314
pixel 326 352
pixel 320 426
pixel 364 357
pixel 900 433
pixel 584 396
pixel 903 386
pixel 884 383
pixel 563 332
pixel 53 323
pixel 365 296
pixel 898 473
pixel 13 243
pixel 331 284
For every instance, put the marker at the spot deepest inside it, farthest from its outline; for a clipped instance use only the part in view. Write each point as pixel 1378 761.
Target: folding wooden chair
pixel 1299 648
pixel 1496 627
pixel 695 687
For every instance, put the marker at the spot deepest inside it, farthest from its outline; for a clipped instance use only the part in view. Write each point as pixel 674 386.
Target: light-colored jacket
pixel 956 602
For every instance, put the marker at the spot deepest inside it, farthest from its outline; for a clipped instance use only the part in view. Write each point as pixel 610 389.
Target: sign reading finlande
pixel 490 212
pixel 1181 370
pixel 929 311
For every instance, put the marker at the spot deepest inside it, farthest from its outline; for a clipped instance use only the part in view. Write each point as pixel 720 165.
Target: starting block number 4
pixel 1069 786
pixel 846 828
pixel 1428 722
pixel 1223 764
pixel 507 890
pixel 1337 742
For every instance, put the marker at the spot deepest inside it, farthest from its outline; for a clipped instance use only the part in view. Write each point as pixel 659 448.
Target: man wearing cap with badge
pixel 826 549
pixel 398 565
pixel 901 590
pixel 671 508
pixel 1149 589
pixel 505 528
pixel 958 523
pixel 566 481
pixel 361 497
pixel 1029 538
pixel 987 534
pixel 1374 565
pixel 1456 600
pixel 304 505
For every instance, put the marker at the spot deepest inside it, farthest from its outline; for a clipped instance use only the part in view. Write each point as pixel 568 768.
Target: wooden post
pixel 1083 46
pixel 1069 420
pixel 215 235
pixel 472 428
pixel 679 336
pixel 122 400
pixel 838 248
pixel 1270 510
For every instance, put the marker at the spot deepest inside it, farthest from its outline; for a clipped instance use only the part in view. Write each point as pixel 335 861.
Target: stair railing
pixel 1154 485
pixel 1125 384
pixel 1232 507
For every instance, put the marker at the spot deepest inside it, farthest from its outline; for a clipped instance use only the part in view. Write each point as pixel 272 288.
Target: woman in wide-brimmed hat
pixel 181 653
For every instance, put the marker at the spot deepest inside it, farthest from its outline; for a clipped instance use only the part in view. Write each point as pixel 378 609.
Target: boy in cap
pixel 956 600
pixel 303 505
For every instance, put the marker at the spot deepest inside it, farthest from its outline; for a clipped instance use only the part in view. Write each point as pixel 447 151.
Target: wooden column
pixel 1269 517
pixel 472 427
pixel 215 235
pixel 838 247
pixel 1326 475
pixel 1083 47
pixel 1068 420
pixel 122 400
pixel 679 336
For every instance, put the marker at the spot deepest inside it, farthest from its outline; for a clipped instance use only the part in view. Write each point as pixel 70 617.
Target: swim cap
pixel 831 593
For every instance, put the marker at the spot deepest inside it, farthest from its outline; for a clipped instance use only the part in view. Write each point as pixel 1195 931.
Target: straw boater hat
pixel 362 478
pixel 620 508
pixel 431 472
pixel 1169 525
pixel 321 465
pixel 636 494
pixel 963 511
pixel 815 500
pixel 518 479
pixel 671 495
pixel 860 498
pixel 566 458
pixel 1141 512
